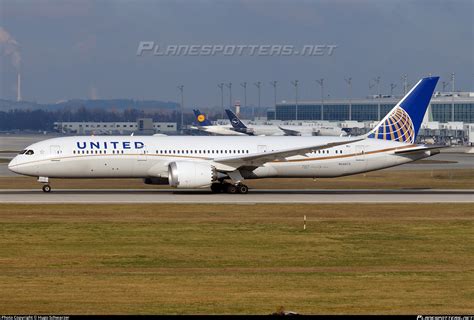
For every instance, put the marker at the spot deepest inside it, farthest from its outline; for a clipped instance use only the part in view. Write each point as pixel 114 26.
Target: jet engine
pixel 186 174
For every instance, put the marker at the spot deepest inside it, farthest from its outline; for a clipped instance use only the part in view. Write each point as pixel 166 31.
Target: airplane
pixel 223 163
pixel 207 126
pixel 288 130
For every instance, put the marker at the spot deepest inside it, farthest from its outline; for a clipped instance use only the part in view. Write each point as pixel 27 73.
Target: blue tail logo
pixel 234 120
pixel 404 120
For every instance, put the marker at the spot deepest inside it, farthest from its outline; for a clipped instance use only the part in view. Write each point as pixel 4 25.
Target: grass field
pixel 193 259
pixel 384 179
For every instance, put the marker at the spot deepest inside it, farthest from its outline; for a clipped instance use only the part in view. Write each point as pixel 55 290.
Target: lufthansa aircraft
pixel 223 163
pixel 292 130
pixel 205 125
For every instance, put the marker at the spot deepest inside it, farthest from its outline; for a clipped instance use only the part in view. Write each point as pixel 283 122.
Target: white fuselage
pixel 148 156
pixel 220 130
pixel 272 130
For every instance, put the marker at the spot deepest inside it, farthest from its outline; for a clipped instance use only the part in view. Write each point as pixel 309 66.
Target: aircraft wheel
pixel 217 187
pixel 242 188
pixel 46 188
pixel 230 188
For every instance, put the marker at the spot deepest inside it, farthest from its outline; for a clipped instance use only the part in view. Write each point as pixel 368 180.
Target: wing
pixel 289 132
pixel 258 159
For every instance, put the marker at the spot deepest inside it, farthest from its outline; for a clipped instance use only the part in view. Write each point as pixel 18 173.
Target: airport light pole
pixel 295 84
pixel 377 81
pixel 405 84
pixel 229 85
pixel 321 83
pixel 244 85
pixel 392 86
pixel 274 85
pixel 181 90
pixel 452 96
pixel 221 86
pixel 258 84
pixel 445 85
pixel 349 83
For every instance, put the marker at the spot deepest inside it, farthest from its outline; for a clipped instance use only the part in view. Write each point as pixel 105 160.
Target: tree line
pixel 43 120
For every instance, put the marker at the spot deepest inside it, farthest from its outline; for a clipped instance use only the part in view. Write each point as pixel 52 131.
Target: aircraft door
pixel 142 156
pixel 55 150
pixel 261 148
pixel 361 157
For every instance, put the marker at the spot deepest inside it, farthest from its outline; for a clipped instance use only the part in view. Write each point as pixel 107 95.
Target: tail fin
pixel 234 120
pixel 201 118
pixel 404 120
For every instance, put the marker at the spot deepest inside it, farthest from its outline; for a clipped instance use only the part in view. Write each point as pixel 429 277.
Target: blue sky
pixel 80 49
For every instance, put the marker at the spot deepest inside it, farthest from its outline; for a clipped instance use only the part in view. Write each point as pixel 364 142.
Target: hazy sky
pixel 81 49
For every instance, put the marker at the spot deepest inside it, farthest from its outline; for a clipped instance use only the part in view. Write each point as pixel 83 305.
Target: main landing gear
pixel 229 188
pixel 46 188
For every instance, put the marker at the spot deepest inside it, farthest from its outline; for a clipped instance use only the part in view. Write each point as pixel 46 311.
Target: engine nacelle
pixel 186 174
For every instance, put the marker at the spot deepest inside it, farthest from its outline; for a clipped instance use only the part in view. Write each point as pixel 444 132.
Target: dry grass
pixel 103 259
pixel 385 179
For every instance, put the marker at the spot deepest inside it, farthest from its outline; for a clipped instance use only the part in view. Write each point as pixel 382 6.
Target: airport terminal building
pixel 444 107
pixel 449 118
pixel 141 126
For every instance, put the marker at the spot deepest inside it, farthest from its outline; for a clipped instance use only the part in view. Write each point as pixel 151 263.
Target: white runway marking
pixel 114 196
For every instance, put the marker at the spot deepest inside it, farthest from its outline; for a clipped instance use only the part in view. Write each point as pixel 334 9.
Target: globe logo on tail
pixel 397 126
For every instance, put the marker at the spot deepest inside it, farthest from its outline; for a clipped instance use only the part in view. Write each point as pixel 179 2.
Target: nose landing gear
pixel 45 182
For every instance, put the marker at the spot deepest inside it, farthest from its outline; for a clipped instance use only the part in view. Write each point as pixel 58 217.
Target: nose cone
pixel 12 164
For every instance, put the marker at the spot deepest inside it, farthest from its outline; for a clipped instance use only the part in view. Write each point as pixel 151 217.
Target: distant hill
pixel 105 104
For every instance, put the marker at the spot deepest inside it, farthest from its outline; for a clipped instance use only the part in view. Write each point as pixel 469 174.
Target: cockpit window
pixel 22 152
pixel 29 152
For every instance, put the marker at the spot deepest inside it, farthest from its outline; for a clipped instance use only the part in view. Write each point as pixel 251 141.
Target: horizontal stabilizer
pixel 420 149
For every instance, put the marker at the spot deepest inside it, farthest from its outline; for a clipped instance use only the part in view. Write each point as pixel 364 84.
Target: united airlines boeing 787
pixel 224 163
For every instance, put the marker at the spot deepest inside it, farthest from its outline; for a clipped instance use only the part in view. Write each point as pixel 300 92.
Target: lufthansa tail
pixel 201 118
pixel 404 120
pixel 235 121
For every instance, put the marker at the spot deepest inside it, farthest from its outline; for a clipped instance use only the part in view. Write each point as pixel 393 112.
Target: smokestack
pixel 18 88
pixel 9 47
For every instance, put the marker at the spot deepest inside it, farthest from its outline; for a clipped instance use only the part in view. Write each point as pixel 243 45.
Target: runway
pixel 120 196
